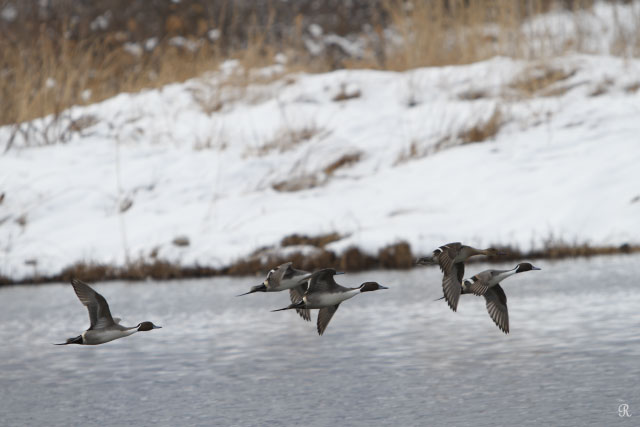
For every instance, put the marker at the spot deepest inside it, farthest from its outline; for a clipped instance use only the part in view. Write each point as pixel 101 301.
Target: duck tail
pixel 76 340
pixel 297 305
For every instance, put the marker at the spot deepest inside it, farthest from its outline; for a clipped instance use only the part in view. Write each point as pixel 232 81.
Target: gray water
pixel 388 357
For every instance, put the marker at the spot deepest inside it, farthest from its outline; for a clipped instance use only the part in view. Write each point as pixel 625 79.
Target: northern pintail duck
pixel 325 294
pixel 487 284
pixel 104 328
pixel 282 278
pixel 451 258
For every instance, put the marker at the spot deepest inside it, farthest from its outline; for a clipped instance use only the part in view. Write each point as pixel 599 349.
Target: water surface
pixel 388 357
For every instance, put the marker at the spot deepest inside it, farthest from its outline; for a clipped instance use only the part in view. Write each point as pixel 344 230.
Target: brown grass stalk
pixel 47 71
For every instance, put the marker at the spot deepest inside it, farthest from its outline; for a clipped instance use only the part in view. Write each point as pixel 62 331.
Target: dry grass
pixel 319 241
pixel 298 180
pixel 346 93
pixel 435 33
pixel 289 138
pixel 602 88
pixel 46 72
pixel 561 250
pixel 541 79
pixel 395 256
pixel 632 88
pixel 298 183
pixel 344 161
pixel 416 150
pixel 181 241
pixel 484 129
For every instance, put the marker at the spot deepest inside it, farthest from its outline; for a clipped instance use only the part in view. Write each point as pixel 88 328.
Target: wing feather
pixel 478 285
pixel 322 281
pixel 97 306
pixel 296 295
pixel 452 286
pixel 497 307
pixel 324 317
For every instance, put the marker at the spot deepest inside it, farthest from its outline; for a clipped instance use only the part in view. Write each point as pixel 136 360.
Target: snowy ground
pixel 234 169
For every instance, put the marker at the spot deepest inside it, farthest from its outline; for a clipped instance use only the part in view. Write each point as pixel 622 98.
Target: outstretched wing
pixel 452 285
pixel 497 307
pixel 322 281
pixel 99 313
pixel 275 276
pixel 324 317
pixel 296 296
pixel 447 254
pixel 480 283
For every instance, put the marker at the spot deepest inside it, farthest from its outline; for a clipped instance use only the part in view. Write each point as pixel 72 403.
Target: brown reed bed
pixel 397 256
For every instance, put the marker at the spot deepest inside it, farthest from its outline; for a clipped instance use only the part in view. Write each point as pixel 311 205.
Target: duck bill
pixel 382 287
pixel 536 268
pixel 156 327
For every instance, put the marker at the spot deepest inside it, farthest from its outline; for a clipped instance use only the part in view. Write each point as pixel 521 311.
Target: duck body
pixel 104 327
pixel 326 299
pixel 485 280
pixel 487 285
pixel 281 278
pixel 324 294
pixel 91 337
pixel 285 277
pixel 451 258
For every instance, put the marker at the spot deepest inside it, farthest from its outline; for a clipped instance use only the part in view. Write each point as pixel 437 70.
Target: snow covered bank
pixel 206 172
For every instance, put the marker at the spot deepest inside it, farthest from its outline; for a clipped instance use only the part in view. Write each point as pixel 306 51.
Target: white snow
pixel 202 160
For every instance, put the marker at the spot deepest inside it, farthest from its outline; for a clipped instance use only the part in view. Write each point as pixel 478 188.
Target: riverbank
pixel 393 257
pixel 364 159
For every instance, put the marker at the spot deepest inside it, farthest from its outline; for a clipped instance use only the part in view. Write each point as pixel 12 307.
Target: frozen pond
pixel 392 357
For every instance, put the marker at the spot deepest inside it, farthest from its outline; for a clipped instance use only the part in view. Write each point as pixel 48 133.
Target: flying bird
pixel 325 294
pixel 451 258
pixel 104 327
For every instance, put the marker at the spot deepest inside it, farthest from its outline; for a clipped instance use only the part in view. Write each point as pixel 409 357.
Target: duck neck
pixel 500 277
pixel 467 252
pixel 350 293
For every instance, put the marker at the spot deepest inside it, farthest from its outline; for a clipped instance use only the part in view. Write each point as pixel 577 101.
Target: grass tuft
pixel 483 130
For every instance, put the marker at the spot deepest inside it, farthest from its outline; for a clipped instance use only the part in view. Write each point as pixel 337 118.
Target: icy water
pixel 392 357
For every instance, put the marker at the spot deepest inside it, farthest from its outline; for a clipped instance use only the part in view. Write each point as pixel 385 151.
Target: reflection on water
pixel 394 356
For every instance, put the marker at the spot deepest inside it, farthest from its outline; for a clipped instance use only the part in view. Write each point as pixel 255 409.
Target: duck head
pixel 371 286
pixel 147 326
pixel 525 266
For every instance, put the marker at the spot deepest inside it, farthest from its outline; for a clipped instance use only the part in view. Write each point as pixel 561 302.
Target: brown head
pixel 147 326
pixel 371 286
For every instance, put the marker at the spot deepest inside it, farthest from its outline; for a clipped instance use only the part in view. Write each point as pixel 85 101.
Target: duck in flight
pixel 487 284
pixel 104 328
pixel 451 258
pixel 282 278
pixel 325 294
